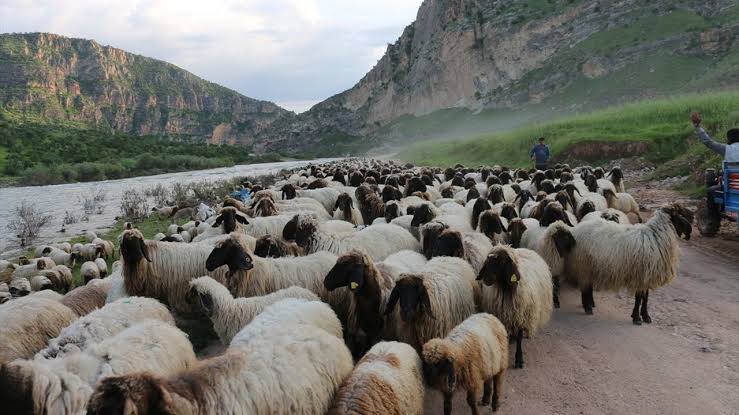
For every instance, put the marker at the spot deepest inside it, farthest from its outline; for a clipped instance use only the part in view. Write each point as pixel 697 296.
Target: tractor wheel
pixel 708 222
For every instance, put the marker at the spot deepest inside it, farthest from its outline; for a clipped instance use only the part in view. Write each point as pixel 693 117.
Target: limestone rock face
pixel 80 80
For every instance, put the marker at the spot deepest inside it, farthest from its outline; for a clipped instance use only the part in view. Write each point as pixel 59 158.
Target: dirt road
pixel 686 361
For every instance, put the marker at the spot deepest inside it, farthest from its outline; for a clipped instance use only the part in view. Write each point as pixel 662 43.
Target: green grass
pixel 663 124
pixel 3 158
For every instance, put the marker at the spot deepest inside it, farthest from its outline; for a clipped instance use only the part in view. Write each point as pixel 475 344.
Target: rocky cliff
pixel 56 77
pixel 550 55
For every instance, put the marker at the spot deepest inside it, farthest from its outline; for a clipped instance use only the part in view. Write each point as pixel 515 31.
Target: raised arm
pixel 705 138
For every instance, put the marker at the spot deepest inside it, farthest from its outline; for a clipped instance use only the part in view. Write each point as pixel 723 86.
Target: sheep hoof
pixel 636 321
pixel 519 365
pixel 495 406
pixel 589 311
pixel 646 319
pixel 556 304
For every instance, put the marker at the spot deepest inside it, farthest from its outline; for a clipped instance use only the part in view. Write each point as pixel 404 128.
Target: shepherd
pixel 540 155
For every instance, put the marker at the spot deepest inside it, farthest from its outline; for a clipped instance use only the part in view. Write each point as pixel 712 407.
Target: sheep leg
pixel 497 388
pixel 644 313
pixel 519 349
pixel 635 318
pixel 447 404
pixel 585 297
pixel 590 297
pixel 555 291
pixel 486 392
pixel 472 402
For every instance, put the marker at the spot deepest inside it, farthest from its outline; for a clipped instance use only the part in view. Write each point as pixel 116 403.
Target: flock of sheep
pixel 344 288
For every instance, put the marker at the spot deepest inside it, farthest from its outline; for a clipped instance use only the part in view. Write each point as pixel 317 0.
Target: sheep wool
pixel 255 375
pixel 83 300
pixel 228 314
pixel 63 386
pixel 103 323
pixel 473 357
pixel 388 380
pixel 27 324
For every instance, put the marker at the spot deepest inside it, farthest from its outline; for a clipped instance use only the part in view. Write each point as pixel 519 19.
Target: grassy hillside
pixel 663 125
pixel 36 151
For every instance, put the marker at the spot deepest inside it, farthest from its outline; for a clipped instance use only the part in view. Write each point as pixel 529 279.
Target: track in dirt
pixel 687 361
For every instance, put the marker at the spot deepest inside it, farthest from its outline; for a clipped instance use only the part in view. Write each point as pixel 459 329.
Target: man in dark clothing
pixel 540 154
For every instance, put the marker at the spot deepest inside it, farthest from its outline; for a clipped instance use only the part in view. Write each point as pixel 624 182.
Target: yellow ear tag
pixel 353 285
pixel 682 235
pixel 514 278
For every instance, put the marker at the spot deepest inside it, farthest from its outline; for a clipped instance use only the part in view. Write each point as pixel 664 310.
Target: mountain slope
pixel 62 78
pixel 535 57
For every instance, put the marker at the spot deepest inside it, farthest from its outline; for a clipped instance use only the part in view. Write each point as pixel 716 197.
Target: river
pixel 55 200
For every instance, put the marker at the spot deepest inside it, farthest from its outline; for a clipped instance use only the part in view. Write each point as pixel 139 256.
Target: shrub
pixel 28 222
pixel 134 206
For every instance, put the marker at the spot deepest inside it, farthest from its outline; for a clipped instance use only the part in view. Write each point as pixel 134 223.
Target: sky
pixel 292 52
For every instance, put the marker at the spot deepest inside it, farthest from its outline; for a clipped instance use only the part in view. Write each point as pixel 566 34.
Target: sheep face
pixel 495 194
pixel 458 180
pixel 584 209
pixel 345 203
pixel 505 177
pixel 356 179
pixel 598 173
pixel 447 193
pixel 427 180
pixel 423 214
pixel 508 211
pixel 338 177
pixel 480 206
pixel 438 366
pixel 413 297
pixel 200 300
pixel 392 211
pixel 268 246
pixel 469 183
pixel 492 181
pixel 392 181
pixel 516 188
pixel 500 270
pixel 681 218
pixel 449 173
pixel 547 186
pixel 133 394
pixel 265 207
pixel 431 232
pixel 229 252
pixel 564 199
pixel 565 177
pixel 390 193
pixel 473 193
pixel 133 247
pixel 415 184
pixel 552 213
pixel 300 230
pixel 449 243
pixel 491 224
pixel 228 219
pixel 349 271
pixel 516 228
pixel 317 184
pixel 289 192
pixel 563 241
pixel 592 183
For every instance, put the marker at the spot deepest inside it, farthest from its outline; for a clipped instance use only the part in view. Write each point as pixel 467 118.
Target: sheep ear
pixel 218 222
pixel 241 219
pixel 392 301
pixel 502 226
pixel 425 302
pixel 206 302
pixel 144 250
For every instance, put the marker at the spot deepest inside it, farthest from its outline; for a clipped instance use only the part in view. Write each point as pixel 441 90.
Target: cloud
pixel 292 51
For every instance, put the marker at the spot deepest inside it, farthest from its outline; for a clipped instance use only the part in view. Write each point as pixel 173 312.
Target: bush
pixel 134 206
pixel 28 222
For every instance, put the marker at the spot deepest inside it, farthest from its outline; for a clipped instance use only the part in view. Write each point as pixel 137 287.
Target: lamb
pixel 268 246
pixel 60 257
pixel 370 284
pixel 433 300
pixel 388 380
pixel 27 324
pixel 89 271
pixel 87 298
pixel 623 202
pixel 63 386
pixel 103 323
pixel 162 270
pixel 518 290
pixel 255 375
pixel 369 203
pixel 378 241
pixel 553 243
pixel 474 357
pixel 345 210
pixel 604 256
pixel 228 314
pixel 250 275
pixel 106 247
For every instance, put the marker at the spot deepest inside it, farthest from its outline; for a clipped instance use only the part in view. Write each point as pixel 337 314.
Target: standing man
pixel 540 154
pixel 730 151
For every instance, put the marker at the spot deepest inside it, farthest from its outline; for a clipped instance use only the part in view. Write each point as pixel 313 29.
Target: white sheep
pixel 518 290
pixel 102 267
pixel 433 300
pixel 255 375
pixel 33 268
pixel 388 380
pixel 64 385
pixel 90 251
pixel 377 241
pixel 326 197
pixel 612 215
pixel 40 282
pixel 89 271
pixel 60 257
pixel 19 287
pixel 470 246
pixel 228 314
pixel 639 258
pixel 345 210
pixel 103 323
pixel 623 202
pixel 27 324
pixel 473 357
